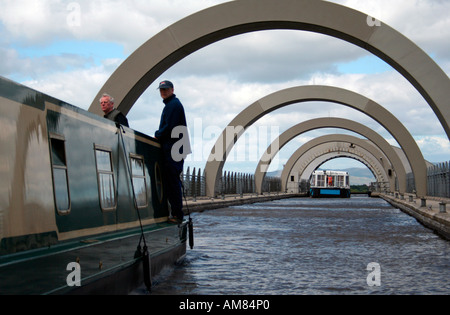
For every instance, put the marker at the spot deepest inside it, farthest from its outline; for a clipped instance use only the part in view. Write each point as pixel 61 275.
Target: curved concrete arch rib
pixel 293 186
pixel 333 152
pixel 299 94
pixel 330 156
pixel 309 163
pixel 225 20
pixel 341 123
pixel 311 150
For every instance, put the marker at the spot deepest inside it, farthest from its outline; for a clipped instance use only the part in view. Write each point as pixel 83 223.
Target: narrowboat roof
pixel 23 94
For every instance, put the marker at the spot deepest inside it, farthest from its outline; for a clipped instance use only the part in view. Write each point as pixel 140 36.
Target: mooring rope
pixel 144 254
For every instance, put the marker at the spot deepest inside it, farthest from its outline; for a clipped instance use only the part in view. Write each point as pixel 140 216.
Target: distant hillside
pixel 274 173
pixel 358 175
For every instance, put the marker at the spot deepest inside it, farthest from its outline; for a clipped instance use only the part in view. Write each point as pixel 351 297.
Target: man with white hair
pixel 107 105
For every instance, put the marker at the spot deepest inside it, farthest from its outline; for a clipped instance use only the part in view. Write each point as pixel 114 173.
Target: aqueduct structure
pixel 315 152
pixel 198 30
pixel 321 93
pixel 320 149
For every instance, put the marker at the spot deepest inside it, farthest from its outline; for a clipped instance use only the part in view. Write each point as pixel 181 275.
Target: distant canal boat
pixel 330 184
pixel 83 207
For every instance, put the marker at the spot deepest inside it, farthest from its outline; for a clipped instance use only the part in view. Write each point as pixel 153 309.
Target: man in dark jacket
pixel 107 105
pixel 174 139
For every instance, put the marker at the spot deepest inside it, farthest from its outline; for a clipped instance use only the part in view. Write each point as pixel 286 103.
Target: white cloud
pixel 29 21
pixel 218 81
pixel 429 144
pixel 426 22
pixel 87 82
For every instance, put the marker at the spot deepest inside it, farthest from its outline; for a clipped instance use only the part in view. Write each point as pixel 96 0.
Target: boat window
pixel 105 175
pixel 139 181
pixel 59 172
pixel 103 160
pixel 320 180
pixel 330 180
pixel 340 181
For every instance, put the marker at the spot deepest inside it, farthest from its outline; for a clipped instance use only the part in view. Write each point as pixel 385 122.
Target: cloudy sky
pixel 68 49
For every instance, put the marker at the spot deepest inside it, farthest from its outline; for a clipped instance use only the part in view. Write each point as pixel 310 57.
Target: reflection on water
pixel 310 246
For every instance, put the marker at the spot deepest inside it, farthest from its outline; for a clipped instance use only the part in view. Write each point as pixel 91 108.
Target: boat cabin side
pixel 68 173
pixel 329 184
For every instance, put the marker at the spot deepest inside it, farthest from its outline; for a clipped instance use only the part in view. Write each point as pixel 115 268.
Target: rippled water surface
pixel 310 246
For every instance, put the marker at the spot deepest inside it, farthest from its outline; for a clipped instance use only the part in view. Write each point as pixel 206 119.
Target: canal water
pixel 300 246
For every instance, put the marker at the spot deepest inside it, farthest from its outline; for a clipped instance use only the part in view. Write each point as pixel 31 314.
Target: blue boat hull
pixel 329 193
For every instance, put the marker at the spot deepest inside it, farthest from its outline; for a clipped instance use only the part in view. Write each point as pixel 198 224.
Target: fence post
pixel 186 182
pixel 438 180
pixel 203 184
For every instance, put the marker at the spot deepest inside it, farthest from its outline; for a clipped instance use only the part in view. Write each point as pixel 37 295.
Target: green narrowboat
pixel 82 202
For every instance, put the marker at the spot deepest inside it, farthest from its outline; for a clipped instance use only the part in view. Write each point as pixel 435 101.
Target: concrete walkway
pixel 207 203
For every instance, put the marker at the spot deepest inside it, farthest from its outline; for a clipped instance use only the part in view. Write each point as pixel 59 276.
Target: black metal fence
pixel 230 183
pixel 438 181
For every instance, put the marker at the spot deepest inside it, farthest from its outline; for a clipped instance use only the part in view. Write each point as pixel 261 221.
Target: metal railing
pixel 438 180
pixel 229 183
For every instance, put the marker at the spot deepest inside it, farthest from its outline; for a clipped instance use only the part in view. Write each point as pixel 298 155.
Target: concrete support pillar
pixel 423 202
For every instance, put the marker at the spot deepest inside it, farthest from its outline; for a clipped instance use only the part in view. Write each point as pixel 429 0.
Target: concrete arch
pixel 340 145
pixel 198 30
pixel 326 157
pixel 333 152
pixel 292 186
pixel 298 94
pixel 312 162
pixel 309 148
pixel 300 128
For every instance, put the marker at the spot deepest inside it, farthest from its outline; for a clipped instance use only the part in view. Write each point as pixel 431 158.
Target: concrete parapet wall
pixel 202 204
pixel 429 215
